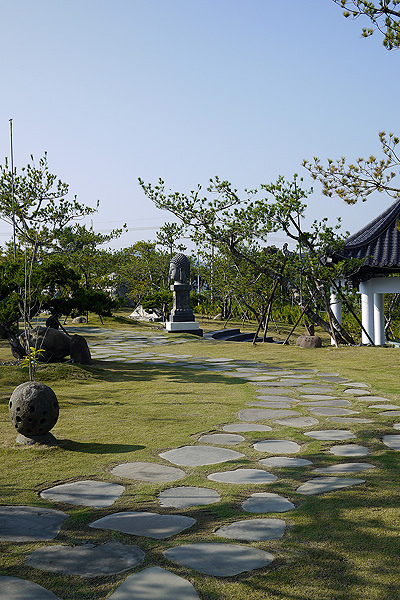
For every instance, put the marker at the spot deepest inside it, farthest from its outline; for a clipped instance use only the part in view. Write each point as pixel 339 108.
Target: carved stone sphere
pixel 33 408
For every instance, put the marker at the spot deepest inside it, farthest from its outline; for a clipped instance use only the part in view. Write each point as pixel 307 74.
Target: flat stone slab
pixel 267 398
pixel 281 384
pixel 390 413
pixel 265 502
pixel 14 588
pixel 243 427
pixel 260 414
pixel 298 422
pixel 328 411
pixel 273 405
pixel 243 476
pixel 276 391
pixel 29 523
pixel 155 583
pixel 225 439
pixel 357 392
pixel 385 406
pixel 333 402
pixel 197 456
pixel 356 384
pixel 333 378
pixel 349 420
pixel 146 471
pixel 345 468
pixel 396 426
pixel 392 441
pixel 253 530
pixel 277 447
pixel 183 497
pixel 284 462
pixel 147 524
pixel 220 560
pixel 315 389
pixel 317 397
pixel 320 485
pixel 373 399
pixel 349 450
pixel 331 434
pixel 84 493
pixel 86 560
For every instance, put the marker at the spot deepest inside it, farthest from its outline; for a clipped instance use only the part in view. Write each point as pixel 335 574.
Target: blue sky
pixel 189 89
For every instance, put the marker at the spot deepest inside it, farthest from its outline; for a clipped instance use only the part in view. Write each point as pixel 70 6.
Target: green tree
pixel 357 180
pixel 142 269
pixel 168 235
pixel 35 202
pixel 383 14
pixel 238 226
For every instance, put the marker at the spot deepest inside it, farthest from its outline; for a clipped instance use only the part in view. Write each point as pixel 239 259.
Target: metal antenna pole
pixel 12 187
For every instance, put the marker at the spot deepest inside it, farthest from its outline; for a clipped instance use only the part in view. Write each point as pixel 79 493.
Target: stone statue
pixel 179 269
pixel 181 318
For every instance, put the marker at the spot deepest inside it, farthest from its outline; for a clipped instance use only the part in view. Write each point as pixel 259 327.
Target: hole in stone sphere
pixel 18 408
pixel 10 404
pixel 44 412
pixel 31 409
pixel 16 426
pixel 18 419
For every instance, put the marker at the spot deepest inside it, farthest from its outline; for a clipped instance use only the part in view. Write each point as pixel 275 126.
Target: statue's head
pixel 179 268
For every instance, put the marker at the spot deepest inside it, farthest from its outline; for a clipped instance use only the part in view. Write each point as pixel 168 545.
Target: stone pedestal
pixel 182 319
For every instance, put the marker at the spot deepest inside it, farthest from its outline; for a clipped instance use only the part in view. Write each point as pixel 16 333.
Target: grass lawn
pixel 339 546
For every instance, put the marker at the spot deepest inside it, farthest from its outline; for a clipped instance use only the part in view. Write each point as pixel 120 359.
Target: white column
pixel 379 320
pixel 367 313
pixel 336 306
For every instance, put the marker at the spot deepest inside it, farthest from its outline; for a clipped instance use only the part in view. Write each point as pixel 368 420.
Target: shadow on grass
pixel 95 448
pixel 121 372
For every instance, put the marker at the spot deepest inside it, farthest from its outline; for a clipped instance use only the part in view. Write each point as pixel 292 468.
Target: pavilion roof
pixel 377 244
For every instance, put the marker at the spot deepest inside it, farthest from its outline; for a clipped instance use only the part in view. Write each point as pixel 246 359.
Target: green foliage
pixel 356 181
pixel 383 14
pixel 161 300
pixel 39 201
pixel 31 361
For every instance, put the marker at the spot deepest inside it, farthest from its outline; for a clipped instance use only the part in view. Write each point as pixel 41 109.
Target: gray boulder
pixel 54 343
pixel 79 350
pixel 309 341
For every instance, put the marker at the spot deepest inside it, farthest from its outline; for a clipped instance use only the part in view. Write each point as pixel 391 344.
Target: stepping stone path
pixel 326 484
pixel 277 447
pixel 331 434
pixel 196 456
pixel 86 560
pixel 183 497
pixel 345 468
pixel 265 502
pixel 224 439
pixel 221 560
pixel 147 524
pixel 155 583
pixel 29 524
pixel 14 588
pixel 254 530
pixel 349 450
pixel 276 391
pixel 143 471
pixel 243 477
pixel 86 493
